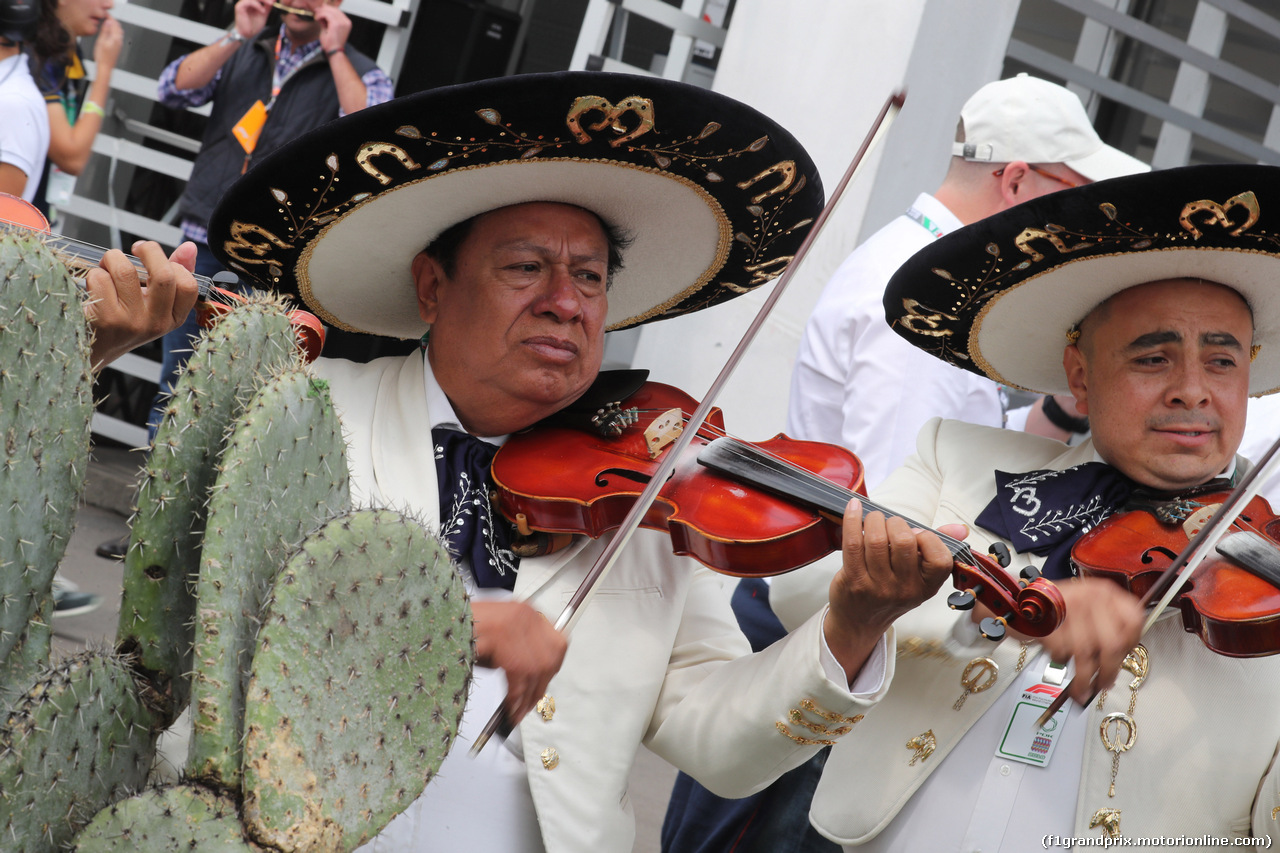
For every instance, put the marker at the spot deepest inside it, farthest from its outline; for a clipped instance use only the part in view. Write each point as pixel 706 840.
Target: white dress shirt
pixel 856 382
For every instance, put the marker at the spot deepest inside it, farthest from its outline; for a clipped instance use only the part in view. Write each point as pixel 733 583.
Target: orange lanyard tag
pixel 249 127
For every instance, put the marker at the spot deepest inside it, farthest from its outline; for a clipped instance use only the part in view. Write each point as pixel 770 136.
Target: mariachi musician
pixel 1155 301
pixel 508 224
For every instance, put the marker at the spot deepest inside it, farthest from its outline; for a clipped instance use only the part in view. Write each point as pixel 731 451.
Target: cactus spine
pixel 283 473
pixel 46 400
pixel 346 724
pixel 224 371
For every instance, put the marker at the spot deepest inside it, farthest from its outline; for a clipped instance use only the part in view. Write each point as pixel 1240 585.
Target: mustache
pixel 293 10
pixel 1182 424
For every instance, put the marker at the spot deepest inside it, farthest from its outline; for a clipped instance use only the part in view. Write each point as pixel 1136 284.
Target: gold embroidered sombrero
pixel 1000 296
pixel 715 196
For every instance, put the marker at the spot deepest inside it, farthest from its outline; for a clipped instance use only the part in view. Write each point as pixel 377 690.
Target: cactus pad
pixel 46 401
pixel 224 371
pixel 78 739
pixel 284 473
pixel 176 818
pixel 358 685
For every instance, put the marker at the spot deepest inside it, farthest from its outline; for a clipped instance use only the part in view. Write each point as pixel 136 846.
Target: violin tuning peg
pixel 226 279
pixel 1029 573
pixel 1000 552
pixel 961 600
pixel 991 628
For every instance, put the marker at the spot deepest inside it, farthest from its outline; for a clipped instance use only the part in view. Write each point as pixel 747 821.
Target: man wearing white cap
pixel 856 383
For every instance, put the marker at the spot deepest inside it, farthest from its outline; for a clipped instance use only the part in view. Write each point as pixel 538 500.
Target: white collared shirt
pixel 858 384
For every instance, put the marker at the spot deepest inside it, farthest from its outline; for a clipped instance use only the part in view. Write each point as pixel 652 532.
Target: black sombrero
pixel 999 297
pixel 715 196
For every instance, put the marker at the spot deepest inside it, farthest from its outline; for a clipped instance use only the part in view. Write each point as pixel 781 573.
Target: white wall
pixel 823 69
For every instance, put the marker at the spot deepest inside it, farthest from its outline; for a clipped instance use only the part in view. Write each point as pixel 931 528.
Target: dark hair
pixel 444 248
pixel 17 21
pixel 52 39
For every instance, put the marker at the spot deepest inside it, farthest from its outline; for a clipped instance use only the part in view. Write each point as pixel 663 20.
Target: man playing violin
pixel 509 223
pixel 1152 300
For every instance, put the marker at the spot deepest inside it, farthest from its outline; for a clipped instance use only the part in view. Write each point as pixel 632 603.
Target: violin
pixel 1232 602
pixel 215 300
pixel 743 509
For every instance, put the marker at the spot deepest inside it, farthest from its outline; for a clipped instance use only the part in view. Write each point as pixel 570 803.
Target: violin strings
pixel 821 484
pixel 79 255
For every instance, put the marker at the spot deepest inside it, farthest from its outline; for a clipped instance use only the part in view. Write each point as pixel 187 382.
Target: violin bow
pixel 1196 551
pixel 609 556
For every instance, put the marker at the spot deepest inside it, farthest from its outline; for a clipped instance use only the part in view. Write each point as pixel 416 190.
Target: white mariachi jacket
pixel 1208 725
pixel 656 658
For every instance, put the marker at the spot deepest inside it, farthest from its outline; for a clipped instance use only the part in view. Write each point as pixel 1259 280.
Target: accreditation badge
pixel 249 127
pixel 1023 740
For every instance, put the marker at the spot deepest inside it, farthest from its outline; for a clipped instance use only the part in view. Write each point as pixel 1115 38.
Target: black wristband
pixel 1061 419
pixel 329 53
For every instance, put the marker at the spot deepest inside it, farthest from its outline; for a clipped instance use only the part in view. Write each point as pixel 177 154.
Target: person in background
pixel 24 132
pixel 267 86
pixel 856 383
pixel 76 107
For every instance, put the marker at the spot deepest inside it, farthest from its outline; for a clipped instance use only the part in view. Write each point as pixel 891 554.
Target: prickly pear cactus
pixel 226 368
pixel 81 736
pixel 358 686
pixel 283 473
pixel 173 818
pixel 372 596
pixel 46 401
pixel 360 674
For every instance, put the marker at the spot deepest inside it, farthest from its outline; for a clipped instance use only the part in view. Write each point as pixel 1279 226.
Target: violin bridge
pixel 663 430
pixel 1198 519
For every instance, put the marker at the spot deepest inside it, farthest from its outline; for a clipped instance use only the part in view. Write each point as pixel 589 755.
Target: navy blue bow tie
pixel 1045 512
pixel 468 524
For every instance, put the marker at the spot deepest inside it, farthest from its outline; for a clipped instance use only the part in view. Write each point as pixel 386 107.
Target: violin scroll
pixel 1032 607
pixel 307 327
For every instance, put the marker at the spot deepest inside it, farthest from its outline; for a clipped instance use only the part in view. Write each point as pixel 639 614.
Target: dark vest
pixel 308 99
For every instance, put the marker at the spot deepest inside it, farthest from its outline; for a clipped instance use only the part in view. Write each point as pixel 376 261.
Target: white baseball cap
pixel 1029 119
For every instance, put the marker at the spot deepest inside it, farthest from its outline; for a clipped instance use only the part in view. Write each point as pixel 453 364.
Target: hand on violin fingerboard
pixel 888 569
pixel 123 313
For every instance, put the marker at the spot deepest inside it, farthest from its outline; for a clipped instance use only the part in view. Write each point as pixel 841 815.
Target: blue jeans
pixel 775 820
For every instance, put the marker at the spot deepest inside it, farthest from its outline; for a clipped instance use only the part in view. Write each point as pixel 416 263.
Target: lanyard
pixel 925 222
pixel 278 80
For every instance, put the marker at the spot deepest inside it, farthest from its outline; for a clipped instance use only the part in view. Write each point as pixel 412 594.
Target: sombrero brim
pixel 715 197
pixel 1000 296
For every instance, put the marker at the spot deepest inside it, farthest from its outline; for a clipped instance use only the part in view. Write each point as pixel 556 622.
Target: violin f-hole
pixel 1148 556
pixel 602 479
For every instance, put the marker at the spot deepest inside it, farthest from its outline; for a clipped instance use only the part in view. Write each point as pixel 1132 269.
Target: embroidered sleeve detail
pixel 821 726
pixel 803 741
pixel 812 707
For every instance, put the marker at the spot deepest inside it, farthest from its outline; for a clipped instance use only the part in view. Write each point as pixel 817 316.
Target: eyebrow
pixel 526 245
pixel 1215 339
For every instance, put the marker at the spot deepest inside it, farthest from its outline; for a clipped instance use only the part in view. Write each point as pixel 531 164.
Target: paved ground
pixel 108 496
